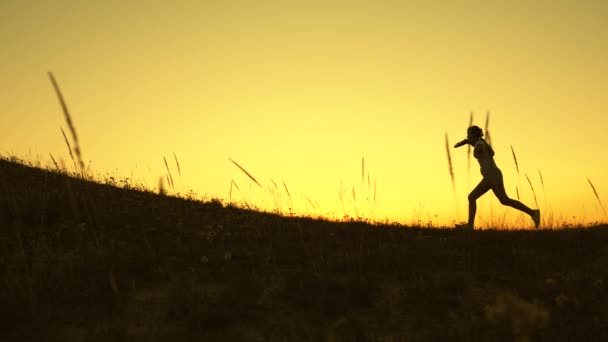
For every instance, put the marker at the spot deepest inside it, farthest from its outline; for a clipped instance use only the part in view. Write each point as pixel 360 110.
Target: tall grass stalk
pixel 341 197
pixel 375 194
pixel 451 170
pixel 55 162
pixel 355 203
pixel 450 166
pixel 67 142
pixel 360 206
pixel 598 198
pixel 89 205
pixel 230 192
pixel 179 172
pixel 542 183
pixel 276 195
pixel 533 192
pixel 288 196
pixel 247 173
pixel 70 123
pixel 369 192
pixel 363 183
pixel 311 202
pixel 362 170
pixel 233 183
pixel 516 168
pixel 169 175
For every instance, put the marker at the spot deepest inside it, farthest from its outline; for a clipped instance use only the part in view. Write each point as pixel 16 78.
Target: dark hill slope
pixel 80 261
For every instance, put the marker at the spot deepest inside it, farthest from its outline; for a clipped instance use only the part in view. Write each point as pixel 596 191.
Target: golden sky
pixel 301 91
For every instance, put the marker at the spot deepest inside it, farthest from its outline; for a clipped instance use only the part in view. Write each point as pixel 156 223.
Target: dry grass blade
pixel 355 203
pixel 597 197
pixel 311 203
pixel 169 175
pixel 515 160
pixel 68 119
pixel 374 203
pixel 179 172
pixel 275 193
pixel 67 142
pixel 230 192
pixel 55 162
pixel 516 168
pixel 369 186
pixel 179 169
pixel 288 195
pixel 542 183
pixel 362 170
pixel 242 195
pixel 374 192
pixel 247 173
pixel 451 169
pixel 533 192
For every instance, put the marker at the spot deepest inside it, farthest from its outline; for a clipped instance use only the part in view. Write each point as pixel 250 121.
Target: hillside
pixel 82 261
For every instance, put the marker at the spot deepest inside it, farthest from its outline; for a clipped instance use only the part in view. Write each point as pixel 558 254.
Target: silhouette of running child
pixel 492 179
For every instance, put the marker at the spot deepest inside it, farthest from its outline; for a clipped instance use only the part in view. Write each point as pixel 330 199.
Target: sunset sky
pixel 301 91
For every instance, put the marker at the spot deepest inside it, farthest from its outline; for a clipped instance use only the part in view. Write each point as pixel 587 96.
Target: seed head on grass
pixel 247 173
pixel 451 169
pixel 169 175
pixel 179 171
pixel 311 202
pixel 598 198
pixel 362 170
pixel 70 123
pixel 516 168
pixel 515 160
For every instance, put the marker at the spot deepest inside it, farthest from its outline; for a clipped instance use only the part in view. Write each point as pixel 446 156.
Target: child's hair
pixel 476 131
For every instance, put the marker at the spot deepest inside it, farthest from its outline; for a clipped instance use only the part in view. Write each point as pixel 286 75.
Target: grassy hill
pixel 81 261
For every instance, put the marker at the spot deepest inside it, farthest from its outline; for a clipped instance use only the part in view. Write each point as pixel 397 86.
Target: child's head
pixel 474 132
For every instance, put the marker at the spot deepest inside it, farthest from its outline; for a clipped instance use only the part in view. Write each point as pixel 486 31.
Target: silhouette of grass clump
pixel 166 268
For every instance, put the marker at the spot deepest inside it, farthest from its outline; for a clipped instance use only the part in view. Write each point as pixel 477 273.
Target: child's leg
pixel 499 190
pixel 479 190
